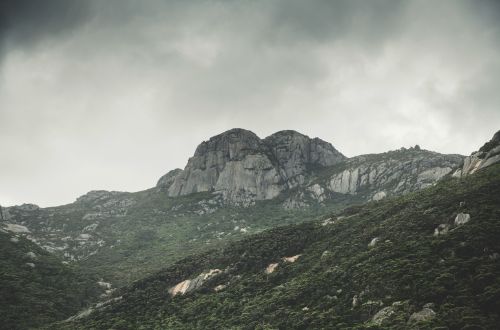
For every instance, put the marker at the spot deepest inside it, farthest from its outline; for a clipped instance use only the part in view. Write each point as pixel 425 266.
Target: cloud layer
pixel 110 95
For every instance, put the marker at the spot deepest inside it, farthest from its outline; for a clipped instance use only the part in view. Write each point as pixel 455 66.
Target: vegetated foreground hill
pixel 426 260
pixel 36 288
pixel 242 185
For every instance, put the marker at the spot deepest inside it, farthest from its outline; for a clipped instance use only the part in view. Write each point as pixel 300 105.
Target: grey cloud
pixel 112 94
pixel 25 23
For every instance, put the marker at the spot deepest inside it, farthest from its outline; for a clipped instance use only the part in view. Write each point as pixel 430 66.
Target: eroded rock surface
pixel 396 172
pixel 243 168
pixel 193 284
pixel 462 218
pixel 487 155
pixel 426 314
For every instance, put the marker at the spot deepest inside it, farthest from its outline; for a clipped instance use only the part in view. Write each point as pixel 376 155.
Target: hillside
pixel 36 288
pixel 122 237
pixel 426 260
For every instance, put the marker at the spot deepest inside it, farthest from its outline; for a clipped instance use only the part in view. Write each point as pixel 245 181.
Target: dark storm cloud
pixel 112 94
pixel 25 23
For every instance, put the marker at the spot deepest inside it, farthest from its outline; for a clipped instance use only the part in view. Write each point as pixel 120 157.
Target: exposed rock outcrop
pixel 193 284
pixel 462 218
pixel 442 229
pixel 487 155
pixel 243 168
pixel 166 181
pixel 396 172
pixel 294 152
pixel 291 259
pixel 386 315
pixel 426 314
pixel 271 268
pixel 379 196
pixel 373 242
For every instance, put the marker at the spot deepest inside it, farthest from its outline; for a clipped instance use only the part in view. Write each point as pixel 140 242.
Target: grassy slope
pixel 33 296
pixel 457 272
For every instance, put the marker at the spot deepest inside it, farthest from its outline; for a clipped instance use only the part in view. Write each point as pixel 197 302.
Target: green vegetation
pixel 408 267
pixel 158 230
pixel 36 288
pixel 151 235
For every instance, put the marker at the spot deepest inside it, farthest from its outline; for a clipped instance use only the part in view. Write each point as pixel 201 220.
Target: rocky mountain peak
pixel 291 144
pixel 294 152
pixel 231 145
pixel 243 168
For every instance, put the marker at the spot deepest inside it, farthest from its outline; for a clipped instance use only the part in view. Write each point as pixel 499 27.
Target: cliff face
pixel 391 173
pixel 242 168
pixel 295 152
pixel 487 155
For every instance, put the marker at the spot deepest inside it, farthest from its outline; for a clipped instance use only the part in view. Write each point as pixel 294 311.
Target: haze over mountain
pixel 235 164
pixel 94 92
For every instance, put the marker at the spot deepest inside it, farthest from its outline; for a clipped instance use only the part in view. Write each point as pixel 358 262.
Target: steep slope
pixel 123 236
pixel 425 260
pixel 35 287
pixel 487 155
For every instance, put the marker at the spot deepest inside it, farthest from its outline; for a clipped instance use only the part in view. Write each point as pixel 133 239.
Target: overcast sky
pixel 113 94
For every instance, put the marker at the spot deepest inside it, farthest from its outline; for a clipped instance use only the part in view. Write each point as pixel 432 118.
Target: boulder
pixel 271 268
pixel 442 229
pixel 426 314
pixel 373 242
pixel 462 218
pixel 379 196
pixel 291 259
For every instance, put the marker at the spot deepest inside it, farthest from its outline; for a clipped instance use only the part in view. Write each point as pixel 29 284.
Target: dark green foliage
pixel 458 272
pixel 49 291
pixel 488 146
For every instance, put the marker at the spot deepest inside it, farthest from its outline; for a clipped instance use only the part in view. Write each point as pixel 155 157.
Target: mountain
pixel 424 260
pixel 235 185
pixel 242 168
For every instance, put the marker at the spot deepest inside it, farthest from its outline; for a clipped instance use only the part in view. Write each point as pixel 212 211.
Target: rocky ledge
pixel 487 155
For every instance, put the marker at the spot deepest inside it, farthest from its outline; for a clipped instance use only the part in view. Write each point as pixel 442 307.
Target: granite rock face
pixel 166 181
pixel 395 172
pixel 294 152
pixel 487 155
pixel 243 168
